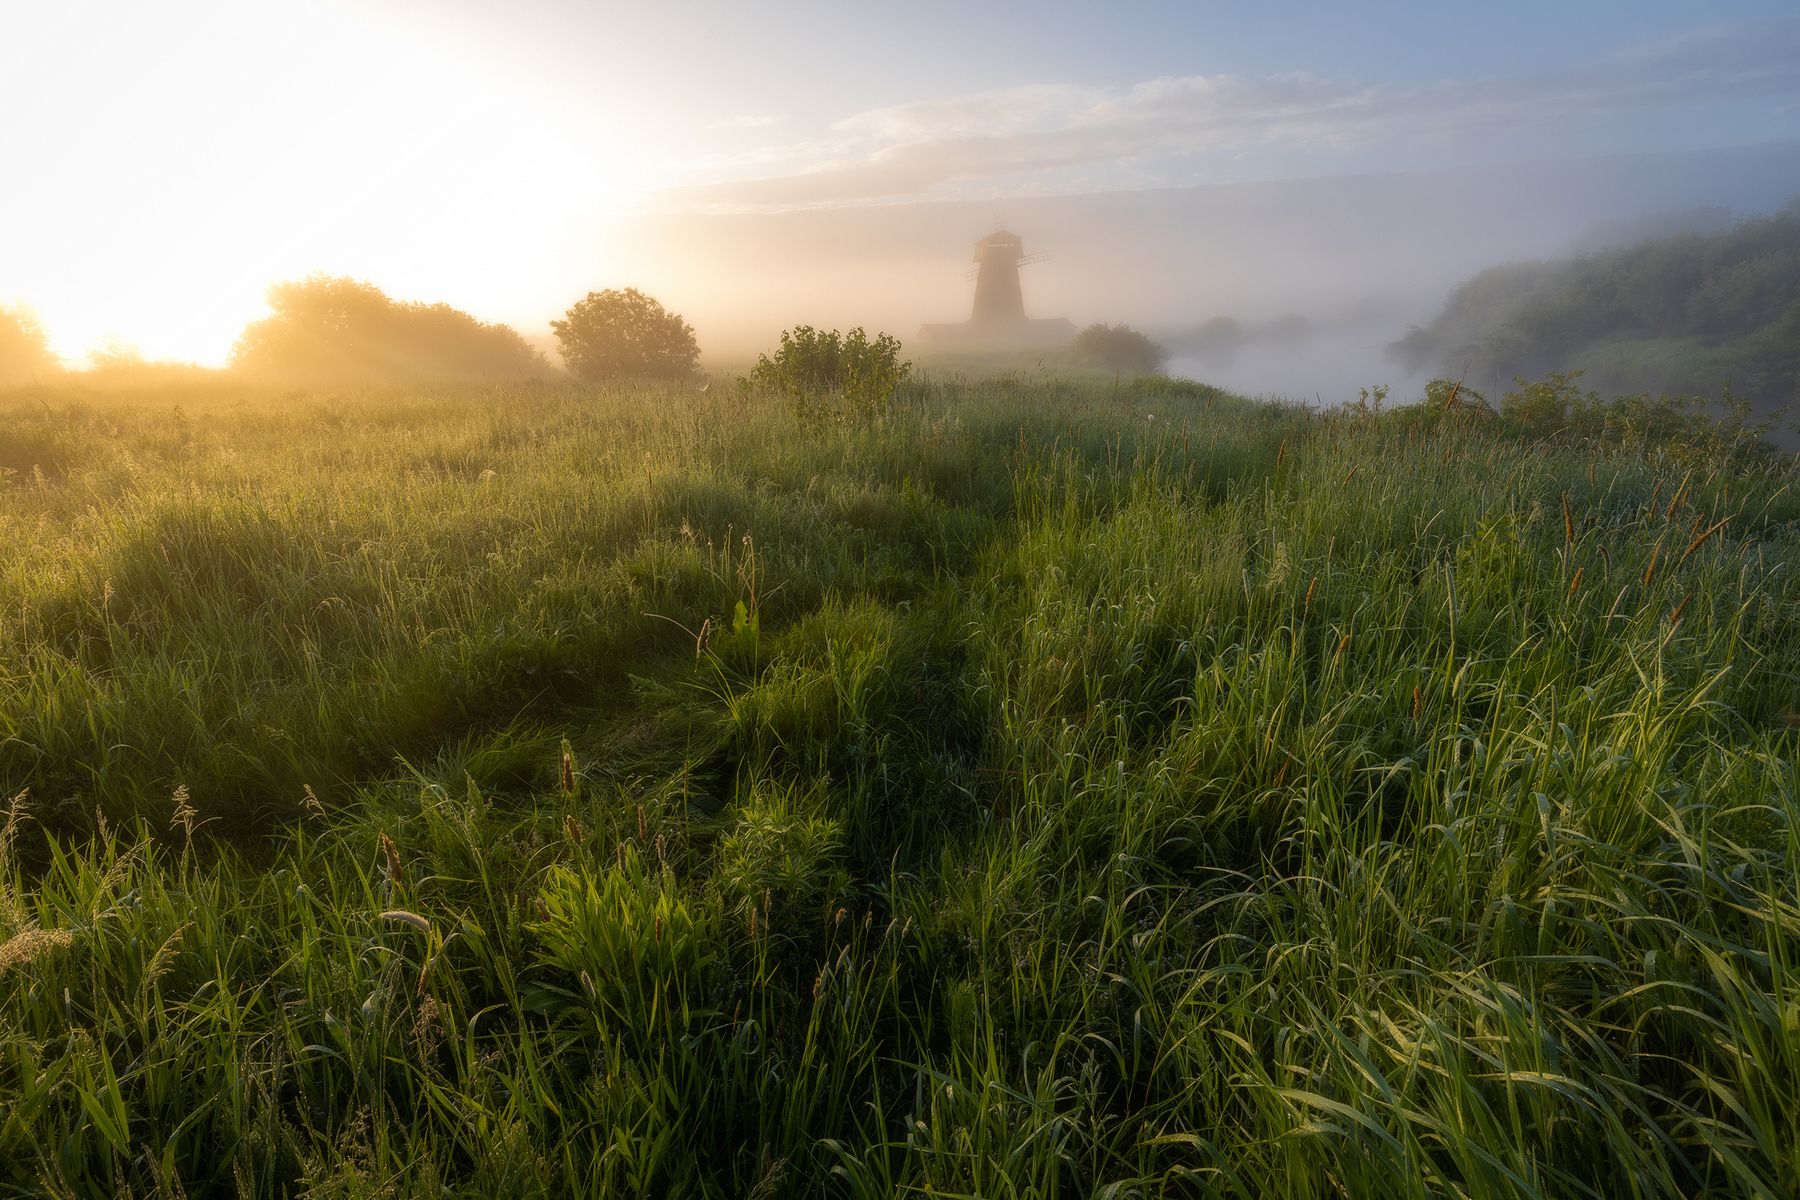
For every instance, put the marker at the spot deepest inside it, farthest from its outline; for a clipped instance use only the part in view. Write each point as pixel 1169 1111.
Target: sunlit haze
pixel 755 164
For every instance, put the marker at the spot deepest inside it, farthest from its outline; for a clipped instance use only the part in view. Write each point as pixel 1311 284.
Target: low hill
pixel 1687 315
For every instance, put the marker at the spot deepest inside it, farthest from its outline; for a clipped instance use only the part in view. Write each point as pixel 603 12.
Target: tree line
pixel 329 331
pixel 332 331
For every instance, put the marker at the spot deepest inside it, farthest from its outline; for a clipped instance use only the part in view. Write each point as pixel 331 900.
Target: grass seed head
pixel 390 853
pixel 185 817
pixel 30 944
pixel 1701 537
pixel 401 916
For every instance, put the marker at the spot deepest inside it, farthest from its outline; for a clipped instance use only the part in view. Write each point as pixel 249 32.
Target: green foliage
pixel 822 371
pixel 1239 802
pixel 636 947
pixel 25 354
pixel 625 335
pixel 1118 348
pixel 328 331
pixel 1680 316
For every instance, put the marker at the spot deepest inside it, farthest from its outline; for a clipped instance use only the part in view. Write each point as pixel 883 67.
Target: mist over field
pixel 1361 258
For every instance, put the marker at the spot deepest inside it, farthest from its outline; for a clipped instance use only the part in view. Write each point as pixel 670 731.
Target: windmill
pixel 997 317
pixel 999 300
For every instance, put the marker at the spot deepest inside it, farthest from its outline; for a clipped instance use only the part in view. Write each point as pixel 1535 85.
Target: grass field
pixel 1048 789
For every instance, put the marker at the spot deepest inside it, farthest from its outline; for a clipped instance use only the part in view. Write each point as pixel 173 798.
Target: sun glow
pixel 170 165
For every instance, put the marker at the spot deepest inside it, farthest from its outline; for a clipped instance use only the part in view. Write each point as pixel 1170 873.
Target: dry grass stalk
pixel 1575 583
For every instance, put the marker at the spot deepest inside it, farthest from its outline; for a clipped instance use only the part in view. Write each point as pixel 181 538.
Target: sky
pixel 162 164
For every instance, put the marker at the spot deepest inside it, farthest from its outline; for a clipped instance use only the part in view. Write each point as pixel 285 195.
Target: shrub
pixel 1118 348
pixel 813 368
pixel 332 331
pixel 625 334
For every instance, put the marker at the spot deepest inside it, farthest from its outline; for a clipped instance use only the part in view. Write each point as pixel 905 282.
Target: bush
pixel 814 367
pixel 333 331
pixel 1118 348
pixel 625 334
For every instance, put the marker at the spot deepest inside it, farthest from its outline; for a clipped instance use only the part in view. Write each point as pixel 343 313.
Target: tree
pixel 327 330
pixel 1118 348
pixel 614 334
pixel 25 353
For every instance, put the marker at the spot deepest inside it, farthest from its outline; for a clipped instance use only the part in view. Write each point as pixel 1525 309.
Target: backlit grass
pixel 1048 789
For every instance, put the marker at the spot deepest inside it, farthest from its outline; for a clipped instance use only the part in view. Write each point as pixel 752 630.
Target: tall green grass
pixel 1049 788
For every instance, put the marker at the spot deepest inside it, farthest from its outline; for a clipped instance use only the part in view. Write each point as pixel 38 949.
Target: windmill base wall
pixel 995 335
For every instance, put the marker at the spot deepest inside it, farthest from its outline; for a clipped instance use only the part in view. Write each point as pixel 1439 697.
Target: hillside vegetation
pixel 1032 788
pixel 1684 315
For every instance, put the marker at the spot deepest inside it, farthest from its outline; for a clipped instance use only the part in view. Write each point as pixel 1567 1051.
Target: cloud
pixel 1028 138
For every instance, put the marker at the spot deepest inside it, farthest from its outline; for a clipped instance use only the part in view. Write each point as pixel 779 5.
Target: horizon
pixel 507 166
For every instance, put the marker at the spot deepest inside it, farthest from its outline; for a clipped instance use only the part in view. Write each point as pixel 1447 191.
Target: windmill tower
pixel 999 300
pixel 998 315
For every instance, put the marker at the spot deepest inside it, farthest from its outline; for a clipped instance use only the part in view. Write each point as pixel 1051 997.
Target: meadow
pixel 1045 787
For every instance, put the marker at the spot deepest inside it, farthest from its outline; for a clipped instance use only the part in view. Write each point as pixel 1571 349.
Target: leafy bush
pixel 819 370
pixel 625 334
pixel 332 331
pixel 1118 348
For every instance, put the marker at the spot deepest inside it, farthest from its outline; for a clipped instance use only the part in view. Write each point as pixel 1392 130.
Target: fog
pixel 1358 258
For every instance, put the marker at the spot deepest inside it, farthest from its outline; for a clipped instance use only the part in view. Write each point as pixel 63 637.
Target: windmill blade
pixel 1036 256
